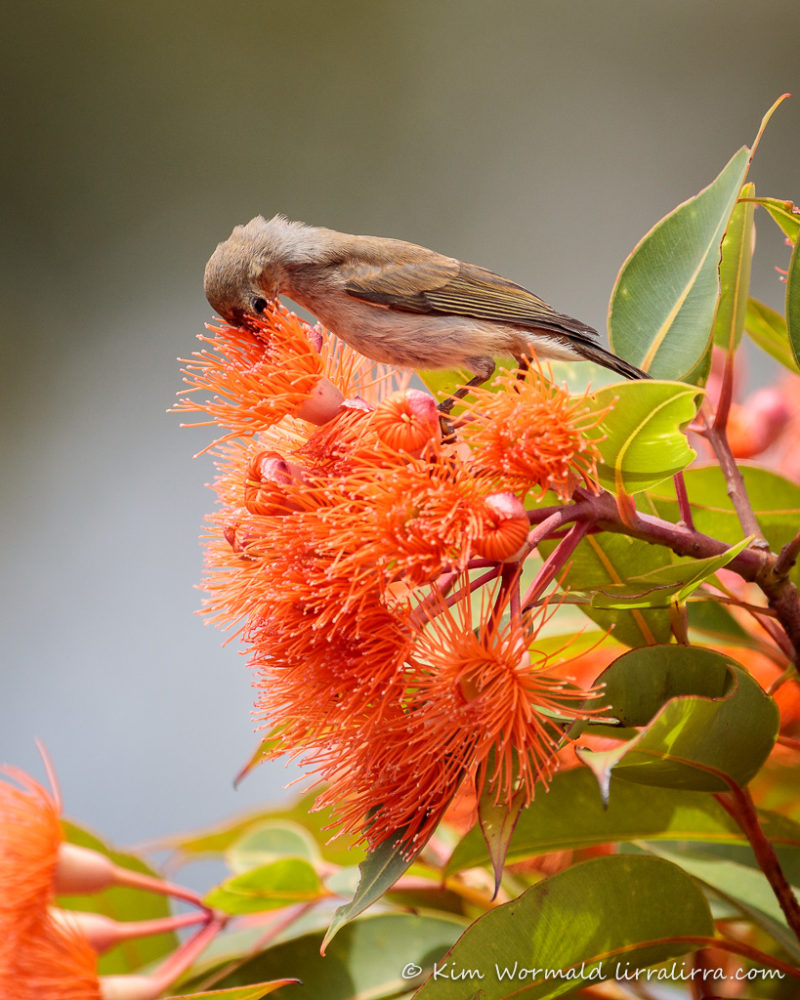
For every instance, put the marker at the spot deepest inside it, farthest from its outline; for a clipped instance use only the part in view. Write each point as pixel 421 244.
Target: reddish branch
pixel 739 806
pixel 756 565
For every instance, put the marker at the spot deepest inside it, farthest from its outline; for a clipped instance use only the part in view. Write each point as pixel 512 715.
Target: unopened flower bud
pixel 407 421
pixel 757 423
pixel 322 404
pixel 264 490
pixel 506 528
pixel 82 870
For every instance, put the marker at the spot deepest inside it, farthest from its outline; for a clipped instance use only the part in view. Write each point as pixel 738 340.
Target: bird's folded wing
pixel 444 285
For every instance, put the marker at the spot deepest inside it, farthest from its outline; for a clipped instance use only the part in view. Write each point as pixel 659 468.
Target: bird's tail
pixel 600 356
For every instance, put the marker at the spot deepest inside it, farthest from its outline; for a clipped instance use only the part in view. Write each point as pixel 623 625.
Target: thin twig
pixel 725 395
pixel 787 556
pixel 683 500
pixel 722 598
pixel 746 951
pixel 788 675
pixel 554 562
pixel 739 805
pixel 737 491
pixel 775 633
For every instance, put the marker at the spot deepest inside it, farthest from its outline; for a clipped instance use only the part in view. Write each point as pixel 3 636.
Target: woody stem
pixel 739 806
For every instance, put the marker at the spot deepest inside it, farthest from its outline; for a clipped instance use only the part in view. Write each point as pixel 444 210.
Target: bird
pixel 395 302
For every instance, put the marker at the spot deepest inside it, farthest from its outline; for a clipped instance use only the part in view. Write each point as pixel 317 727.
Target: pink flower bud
pixel 80 870
pixel 268 475
pixel 322 404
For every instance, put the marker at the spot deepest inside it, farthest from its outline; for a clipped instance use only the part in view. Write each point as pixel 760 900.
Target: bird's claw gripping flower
pixel 334 549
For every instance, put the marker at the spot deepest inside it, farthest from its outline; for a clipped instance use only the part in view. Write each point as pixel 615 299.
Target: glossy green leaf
pixel 583 925
pixel 706 721
pixel 121 903
pixel 667 585
pixel 269 841
pixel 571 816
pixel 793 303
pixel 370 958
pixel 734 272
pixel 269 887
pixel 253 992
pixel 785 213
pixel 767 328
pixel 379 871
pixel 606 559
pixel 642 439
pixel 662 308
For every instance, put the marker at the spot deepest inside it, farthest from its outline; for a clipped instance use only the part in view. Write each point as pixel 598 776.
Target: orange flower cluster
pixel 337 540
pixel 38 957
pixel 531 435
pixel 52 953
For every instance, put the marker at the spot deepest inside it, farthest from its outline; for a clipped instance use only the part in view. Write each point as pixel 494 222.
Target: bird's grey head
pixel 249 269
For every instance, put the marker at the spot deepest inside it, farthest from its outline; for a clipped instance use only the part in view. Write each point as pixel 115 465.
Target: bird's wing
pixel 438 284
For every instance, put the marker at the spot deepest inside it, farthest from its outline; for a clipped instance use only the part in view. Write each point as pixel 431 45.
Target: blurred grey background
pixel 540 139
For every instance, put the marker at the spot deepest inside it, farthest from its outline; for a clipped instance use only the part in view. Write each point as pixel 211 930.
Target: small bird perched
pixel 393 301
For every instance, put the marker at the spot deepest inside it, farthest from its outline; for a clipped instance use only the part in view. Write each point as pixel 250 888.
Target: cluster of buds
pixel 354 529
pixel 50 952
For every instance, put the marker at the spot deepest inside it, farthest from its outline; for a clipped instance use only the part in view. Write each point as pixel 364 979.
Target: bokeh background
pixel 541 139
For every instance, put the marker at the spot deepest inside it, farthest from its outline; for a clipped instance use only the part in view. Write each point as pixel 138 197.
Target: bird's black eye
pixel 259 305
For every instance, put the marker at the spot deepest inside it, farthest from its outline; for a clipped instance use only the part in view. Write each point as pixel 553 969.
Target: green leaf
pixel 641 439
pixel 706 721
pixel 588 923
pixel 379 871
pixel 666 585
pixel 767 328
pixel 662 307
pixel 269 841
pixel 793 303
pixel 734 272
pixel 218 839
pixel 367 959
pixel 743 886
pixel 775 500
pixel 269 887
pixel 253 992
pixel 605 559
pixel 785 213
pixel 571 816
pixel 121 903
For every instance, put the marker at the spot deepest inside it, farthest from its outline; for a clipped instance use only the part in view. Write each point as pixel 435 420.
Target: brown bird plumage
pixel 393 301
